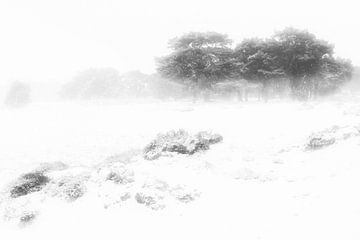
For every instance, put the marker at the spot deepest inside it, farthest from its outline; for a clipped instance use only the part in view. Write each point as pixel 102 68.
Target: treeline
pixel 292 56
pixel 291 62
pixel 108 83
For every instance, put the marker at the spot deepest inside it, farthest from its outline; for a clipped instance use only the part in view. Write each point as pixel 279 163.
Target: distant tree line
pixel 108 83
pixel 308 64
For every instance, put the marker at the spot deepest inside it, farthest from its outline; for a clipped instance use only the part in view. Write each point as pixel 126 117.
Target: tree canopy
pixel 201 58
pixel 198 40
pixel 297 55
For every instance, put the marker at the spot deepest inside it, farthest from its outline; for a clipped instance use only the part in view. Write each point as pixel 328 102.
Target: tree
pixel 296 55
pixel 333 73
pixel 292 57
pixel 301 55
pixel 198 59
pixel 19 94
pixel 258 62
pixel 198 40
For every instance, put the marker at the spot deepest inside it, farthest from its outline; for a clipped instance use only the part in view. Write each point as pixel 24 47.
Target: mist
pixel 179 119
pixel 46 41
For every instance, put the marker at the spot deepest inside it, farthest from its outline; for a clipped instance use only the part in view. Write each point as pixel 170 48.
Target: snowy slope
pixel 260 182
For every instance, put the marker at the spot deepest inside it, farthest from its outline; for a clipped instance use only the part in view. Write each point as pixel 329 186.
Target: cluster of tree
pixel 201 60
pixel 107 83
pixel 92 83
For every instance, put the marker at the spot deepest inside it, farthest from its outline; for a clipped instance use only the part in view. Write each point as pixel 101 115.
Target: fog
pixel 52 41
pixel 109 131
pixel 47 44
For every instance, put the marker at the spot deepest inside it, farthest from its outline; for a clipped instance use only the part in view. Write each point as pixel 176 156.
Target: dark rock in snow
pixel 180 142
pixel 28 183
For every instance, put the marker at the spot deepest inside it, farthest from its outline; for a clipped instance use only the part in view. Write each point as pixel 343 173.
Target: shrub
pixel 330 136
pixel 70 188
pixel 28 183
pixel 180 142
pixel 27 218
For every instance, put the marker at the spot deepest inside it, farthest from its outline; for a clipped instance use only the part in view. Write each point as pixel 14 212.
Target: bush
pixel 180 142
pixel 330 136
pixel 27 218
pixel 70 188
pixel 116 172
pixel 153 201
pixel 320 142
pixel 28 183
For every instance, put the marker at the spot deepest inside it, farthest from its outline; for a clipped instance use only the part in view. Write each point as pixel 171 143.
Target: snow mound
pixel 52 166
pixel 119 181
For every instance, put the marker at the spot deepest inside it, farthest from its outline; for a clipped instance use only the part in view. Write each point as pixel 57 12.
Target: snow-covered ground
pixel 260 182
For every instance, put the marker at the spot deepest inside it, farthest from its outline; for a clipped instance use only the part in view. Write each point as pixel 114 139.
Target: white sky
pixel 53 40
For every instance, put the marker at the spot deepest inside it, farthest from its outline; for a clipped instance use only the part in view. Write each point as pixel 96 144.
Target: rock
pixel 29 183
pixel 180 142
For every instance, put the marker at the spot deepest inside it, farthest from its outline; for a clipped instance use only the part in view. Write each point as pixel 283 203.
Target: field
pixel 260 182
